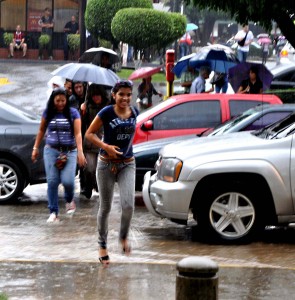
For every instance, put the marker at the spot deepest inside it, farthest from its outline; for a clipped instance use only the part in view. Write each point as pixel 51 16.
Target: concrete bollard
pixel 197 279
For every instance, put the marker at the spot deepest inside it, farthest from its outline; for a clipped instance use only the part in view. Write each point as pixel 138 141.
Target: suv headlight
pixel 168 169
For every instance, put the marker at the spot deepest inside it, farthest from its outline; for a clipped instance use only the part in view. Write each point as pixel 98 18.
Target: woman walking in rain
pixel 116 163
pixel 63 126
pixel 96 100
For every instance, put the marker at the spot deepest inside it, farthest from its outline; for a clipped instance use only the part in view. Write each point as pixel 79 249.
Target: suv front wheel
pixel 229 214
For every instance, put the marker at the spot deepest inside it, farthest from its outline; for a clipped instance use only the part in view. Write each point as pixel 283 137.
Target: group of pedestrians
pixel 219 82
pixel 86 130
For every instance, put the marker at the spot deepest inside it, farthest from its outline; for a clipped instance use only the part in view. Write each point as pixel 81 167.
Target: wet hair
pixel 205 69
pixel 51 109
pixel 122 83
pixel 78 82
pixel 254 70
pixel 96 89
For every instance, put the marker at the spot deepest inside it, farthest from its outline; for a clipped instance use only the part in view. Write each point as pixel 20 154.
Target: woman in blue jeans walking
pixel 63 126
pixel 115 164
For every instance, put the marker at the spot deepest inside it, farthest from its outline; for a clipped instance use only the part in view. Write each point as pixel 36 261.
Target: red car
pixel 194 113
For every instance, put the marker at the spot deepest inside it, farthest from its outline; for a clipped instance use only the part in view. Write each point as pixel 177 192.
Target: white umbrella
pixel 87 73
pixel 219 47
pixel 93 55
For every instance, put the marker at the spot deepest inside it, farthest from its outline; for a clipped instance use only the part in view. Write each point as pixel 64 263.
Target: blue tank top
pixel 59 131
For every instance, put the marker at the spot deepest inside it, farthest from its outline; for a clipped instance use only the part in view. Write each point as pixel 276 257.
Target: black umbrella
pixel 93 55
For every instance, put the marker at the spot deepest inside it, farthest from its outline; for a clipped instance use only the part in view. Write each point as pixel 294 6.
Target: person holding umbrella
pixel 116 163
pixel 76 100
pixel 96 99
pixel 251 85
pixel 146 90
pixel 198 85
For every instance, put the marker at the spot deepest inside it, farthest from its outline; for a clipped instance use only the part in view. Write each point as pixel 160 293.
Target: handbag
pixel 242 42
pixel 62 158
pixel 218 79
pixel 61 161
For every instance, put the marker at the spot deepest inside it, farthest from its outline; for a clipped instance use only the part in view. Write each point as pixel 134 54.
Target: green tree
pixel 260 11
pixel 100 13
pixel 144 28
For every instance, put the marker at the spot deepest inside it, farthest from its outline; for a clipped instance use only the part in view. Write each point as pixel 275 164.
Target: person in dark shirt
pixel 76 100
pixel 71 27
pixel 251 85
pixel 78 94
pixel 146 90
pixel 46 22
pixel 95 101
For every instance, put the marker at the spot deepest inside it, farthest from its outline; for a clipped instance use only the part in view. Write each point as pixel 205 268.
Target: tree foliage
pixel 260 11
pixel 100 13
pixel 144 28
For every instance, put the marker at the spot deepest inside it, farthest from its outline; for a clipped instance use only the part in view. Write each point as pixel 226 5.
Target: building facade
pixel 27 14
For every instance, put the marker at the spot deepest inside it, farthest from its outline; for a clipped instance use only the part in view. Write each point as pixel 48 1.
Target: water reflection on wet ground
pixel 59 280
pixel 60 261
pixel 24 227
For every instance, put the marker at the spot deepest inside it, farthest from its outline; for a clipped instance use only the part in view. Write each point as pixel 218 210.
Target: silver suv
pixel 234 185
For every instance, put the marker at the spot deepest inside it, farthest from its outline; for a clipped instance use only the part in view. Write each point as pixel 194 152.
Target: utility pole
pixel 82 8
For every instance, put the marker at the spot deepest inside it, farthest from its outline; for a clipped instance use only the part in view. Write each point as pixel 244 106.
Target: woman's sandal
pixel 105 259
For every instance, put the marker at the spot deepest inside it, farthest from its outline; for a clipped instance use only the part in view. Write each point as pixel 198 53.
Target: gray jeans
pixel 106 178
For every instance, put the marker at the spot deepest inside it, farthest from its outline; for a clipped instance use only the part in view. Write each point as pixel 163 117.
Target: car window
pixel 288 76
pixel 194 114
pixel 239 106
pixel 267 119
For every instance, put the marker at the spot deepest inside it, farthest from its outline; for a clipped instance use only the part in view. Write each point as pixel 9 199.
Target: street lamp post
pixel 82 8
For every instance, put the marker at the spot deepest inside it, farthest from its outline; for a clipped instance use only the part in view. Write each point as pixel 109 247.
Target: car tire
pixel 11 181
pixel 229 214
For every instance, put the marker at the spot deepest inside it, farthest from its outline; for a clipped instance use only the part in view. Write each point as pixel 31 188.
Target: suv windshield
pixel 278 130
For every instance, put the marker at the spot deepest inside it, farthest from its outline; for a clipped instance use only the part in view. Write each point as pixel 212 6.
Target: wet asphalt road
pixel 59 261
pixel 41 261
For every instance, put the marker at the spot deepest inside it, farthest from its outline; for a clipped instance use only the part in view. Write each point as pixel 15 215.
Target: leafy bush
pixel 100 13
pixel 44 39
pixel 142 28
pixel 105 44
pixel 286 95
pixel 3 296
pixel 74 41
pixel 8 37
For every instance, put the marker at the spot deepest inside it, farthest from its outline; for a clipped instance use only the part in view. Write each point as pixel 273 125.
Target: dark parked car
pixel 18 129
pixel 147 153
pixel 283 76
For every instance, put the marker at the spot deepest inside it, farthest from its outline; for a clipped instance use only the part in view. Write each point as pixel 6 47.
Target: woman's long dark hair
pixel 96 89
pixel 51 109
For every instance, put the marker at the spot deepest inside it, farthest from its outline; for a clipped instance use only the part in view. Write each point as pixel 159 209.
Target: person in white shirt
pixel 244 38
